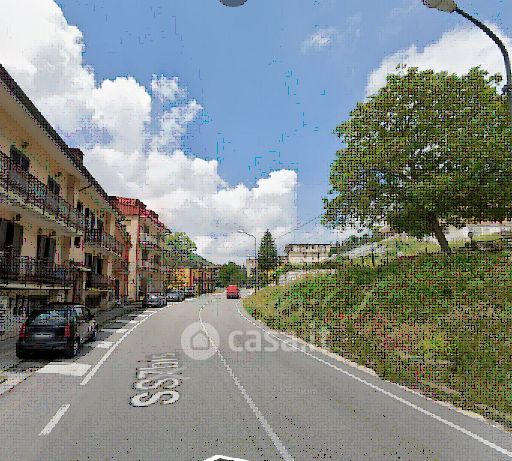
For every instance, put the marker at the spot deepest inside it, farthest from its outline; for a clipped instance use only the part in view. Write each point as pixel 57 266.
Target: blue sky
pixel 259 91
pixel 267 103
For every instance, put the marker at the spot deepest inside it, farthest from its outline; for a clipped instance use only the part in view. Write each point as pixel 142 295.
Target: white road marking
pixel 133 321
pixel 264 423
pixel 122 321
pixel 107 354
pixel 114 330
pixel 102 344
pixel 387 393
pixel 56 418
pixel 67 369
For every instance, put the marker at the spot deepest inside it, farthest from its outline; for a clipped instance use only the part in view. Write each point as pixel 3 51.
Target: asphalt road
pixel 253 398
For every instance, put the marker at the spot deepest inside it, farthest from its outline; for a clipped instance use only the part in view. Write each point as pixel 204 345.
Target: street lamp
pixel 449 6
pixel 255 257
pixel 233 2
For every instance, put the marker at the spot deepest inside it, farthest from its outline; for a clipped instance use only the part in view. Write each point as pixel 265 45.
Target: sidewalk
pixel 8 357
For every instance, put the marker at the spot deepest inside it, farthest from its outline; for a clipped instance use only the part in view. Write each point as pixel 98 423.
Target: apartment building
pixel 306 253
pixel 146 256
pixel 202 278
pixel 54 216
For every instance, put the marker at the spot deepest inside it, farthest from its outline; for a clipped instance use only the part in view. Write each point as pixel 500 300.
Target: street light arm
pixel 495 39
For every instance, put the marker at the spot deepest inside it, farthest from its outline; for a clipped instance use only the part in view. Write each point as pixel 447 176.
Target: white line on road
pixel 107 354
pixel 264 423
pixel 56 418
pixel 383 391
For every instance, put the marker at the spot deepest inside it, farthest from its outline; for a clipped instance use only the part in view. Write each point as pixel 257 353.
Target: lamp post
pixel 470 235
pixel 255 257
pixel 449 6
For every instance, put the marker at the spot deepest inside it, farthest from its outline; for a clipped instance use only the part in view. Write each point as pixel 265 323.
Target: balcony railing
pixel 148 241
pixel 14 180
pixel 105 241
pixel 99 282
pixel 26 270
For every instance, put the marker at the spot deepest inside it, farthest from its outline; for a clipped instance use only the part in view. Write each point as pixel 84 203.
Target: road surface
pixel 253 398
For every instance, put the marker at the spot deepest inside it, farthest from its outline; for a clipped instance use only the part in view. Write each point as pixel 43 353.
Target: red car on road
pixel 232 292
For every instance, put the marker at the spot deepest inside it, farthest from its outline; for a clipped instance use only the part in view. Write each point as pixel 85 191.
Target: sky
pixel 221 118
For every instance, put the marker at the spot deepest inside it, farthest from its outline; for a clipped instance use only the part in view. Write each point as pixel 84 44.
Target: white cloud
pixel 130 150
pixel 173 125
pixel 123 107
pixel 456 51
pixel 324 37
pixel 44 53
pixel 167 89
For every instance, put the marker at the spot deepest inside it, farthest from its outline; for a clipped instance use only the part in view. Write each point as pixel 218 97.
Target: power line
pixel 299 227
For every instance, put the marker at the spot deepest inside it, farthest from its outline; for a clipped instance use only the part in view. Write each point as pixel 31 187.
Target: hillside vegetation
pixel 434 322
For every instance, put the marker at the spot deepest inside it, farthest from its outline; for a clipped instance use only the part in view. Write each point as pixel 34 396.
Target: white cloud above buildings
pixel 132 136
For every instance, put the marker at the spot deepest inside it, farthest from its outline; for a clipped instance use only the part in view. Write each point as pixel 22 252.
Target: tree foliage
pixel 267 254
pixel 180 246
pixel 427 151
pixel 231 274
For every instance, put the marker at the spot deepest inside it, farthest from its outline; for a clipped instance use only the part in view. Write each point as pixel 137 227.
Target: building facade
pixel 307 253
pixel 147 262
pixel 49 244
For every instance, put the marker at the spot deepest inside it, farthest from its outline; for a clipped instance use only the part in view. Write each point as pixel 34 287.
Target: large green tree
pixel 180 245
pixel 427 151
pixel 267 255
pixel 231 274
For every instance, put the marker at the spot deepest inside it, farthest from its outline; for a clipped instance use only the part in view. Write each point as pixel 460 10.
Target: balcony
pixel 149 242
pixel 98 238
pixel 30 271
pixel 98 282
pixel 32 191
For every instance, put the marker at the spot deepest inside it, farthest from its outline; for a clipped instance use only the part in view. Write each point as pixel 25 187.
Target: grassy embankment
pixel 438 323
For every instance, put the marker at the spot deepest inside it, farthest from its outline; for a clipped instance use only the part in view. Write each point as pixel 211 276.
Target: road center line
pixel 387 393
pixel 96 367
pixel 264 423
pixel 56 418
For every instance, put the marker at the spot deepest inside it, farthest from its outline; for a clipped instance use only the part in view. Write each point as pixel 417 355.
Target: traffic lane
pixel 209 417
pixel 315 391
pixel 476 424
pixel 28 407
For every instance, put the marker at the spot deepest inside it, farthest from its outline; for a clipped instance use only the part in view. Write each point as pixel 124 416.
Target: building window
pixel 54 186
pixel 11 236
pixel 79 206
pixel 20 159
pixel 45 248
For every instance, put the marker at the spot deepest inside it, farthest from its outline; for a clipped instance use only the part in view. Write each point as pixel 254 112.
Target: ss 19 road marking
pixel 387 393
pixel 56 418
pixel 264 423
pixel 107 354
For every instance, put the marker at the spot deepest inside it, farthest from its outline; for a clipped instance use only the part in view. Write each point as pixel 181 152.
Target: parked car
pixel 175 295
pixel 189 292
pixel 154 300
pixel 232 292
pixel 56 327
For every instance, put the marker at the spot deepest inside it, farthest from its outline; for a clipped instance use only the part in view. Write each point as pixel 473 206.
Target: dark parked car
pixel 154 300
pixel 175 295
pixel 189 292
pixel 56 327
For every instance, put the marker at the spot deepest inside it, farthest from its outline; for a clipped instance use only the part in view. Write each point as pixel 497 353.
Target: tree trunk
pixel 438 232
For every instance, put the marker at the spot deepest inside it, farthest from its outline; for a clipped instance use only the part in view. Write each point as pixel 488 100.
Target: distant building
pixel 250 266
pixel 305 253
pixel 146 256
